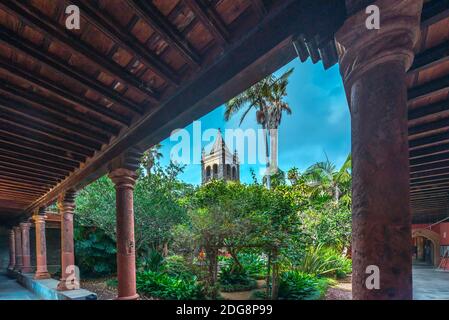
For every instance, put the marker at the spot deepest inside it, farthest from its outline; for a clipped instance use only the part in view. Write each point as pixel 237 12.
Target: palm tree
pixel 150 157
pixel 327 180
pixel 266 97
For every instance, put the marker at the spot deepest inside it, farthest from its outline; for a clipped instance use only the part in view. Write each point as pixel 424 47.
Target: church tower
pixel 220 163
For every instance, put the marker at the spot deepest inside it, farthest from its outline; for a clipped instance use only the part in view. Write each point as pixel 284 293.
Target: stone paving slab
pixel 10 289
pixel 430 283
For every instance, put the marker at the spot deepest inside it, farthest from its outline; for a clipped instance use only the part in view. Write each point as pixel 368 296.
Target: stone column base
pixel 64 286
pixel 41 275
pixel 134 297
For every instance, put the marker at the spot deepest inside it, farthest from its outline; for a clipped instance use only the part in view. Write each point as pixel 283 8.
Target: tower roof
pixel 219 144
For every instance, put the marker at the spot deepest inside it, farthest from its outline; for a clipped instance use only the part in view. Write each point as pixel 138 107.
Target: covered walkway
pixel 430 283
pixel 11 290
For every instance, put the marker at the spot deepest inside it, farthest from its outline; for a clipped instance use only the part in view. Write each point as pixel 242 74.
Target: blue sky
pixel 318 126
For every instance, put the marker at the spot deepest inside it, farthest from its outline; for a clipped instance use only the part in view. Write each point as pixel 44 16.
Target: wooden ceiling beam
pixel 34 136
pixel 35 153
pixel 9 178
pixel 429 159
pixel 434 11
pixel 432 173
pixel 210 19
pixel 35 146
pixel 48 120
pixel 113 30
pixel 81 120
pixel 37 20
pixel 19 168
pixel 428 110
pixel 260 8
pixel 24 165
pixel 26 175
pixel 435 125
pixel 428 141
pixel 430 184
pixel 70 142
pixel 428 88
pixel 148 12
pixel 427 151
pixel 62 67
pixel 12 156
pixel 17 185
pixel 64 93
pixel 430 58
pixel 18 195
pixel 430 167
pixel 428 189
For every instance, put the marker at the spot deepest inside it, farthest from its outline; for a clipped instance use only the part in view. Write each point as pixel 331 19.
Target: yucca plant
pixel 315 261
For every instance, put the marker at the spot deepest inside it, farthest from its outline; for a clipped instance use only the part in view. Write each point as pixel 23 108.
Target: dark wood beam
pixel 37 20
pixel 27 175
pixel 63 112
pixel 428 88
pixel 25 165
pixel 148 12
pixel 210 19
pixel 428 167
pixel 20 151
pixel 7 154
pixel 34 136
pixel 426 190
pixel 429 110
pixel 62 67
pixel 442 148
pixel 81 144
pixel 436 139
pixel 432 173
pixel 38 117
pixel 113 30
pixel 429 159
pixel 434 11
pixel 64 93
pixel 427 127
pixel 430 58
pixel 36 146
pixel 14 184
pixel 260 8
pixel 27 180
pixel 24 169
pixel 440 183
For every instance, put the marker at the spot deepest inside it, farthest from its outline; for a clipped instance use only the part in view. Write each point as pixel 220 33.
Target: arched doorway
pixel 429 237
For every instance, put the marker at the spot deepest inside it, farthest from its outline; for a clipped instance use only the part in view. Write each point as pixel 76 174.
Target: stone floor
pixel 429 283
pixel 11 290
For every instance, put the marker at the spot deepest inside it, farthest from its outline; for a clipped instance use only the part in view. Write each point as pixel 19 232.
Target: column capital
pixel 360 49
pixel 66 202
pixel 25 225
pixel 123 178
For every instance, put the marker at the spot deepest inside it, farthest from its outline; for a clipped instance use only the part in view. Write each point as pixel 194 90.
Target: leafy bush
pixel 153 261
pixel 233 278
pixel 236 280
pixel 254 264
pixel 324 261
pixel 177 266
pixel 94 252
pixel 296 285
pixel 164 286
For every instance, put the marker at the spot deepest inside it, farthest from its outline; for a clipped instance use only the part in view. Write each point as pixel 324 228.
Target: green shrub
pixel 95 252
pixel 296 285
pixel 164 286
pixel 320 261
pixel 153 261
pixel 177 266
pixel 254 264
pixel 235 279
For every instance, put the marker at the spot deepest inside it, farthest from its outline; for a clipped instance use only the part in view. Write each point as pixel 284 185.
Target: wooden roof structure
pixel 428 93
pixel 71 101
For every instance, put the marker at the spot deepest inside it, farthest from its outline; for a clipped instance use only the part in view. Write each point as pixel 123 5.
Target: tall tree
pixel 151 156
pixel 267 97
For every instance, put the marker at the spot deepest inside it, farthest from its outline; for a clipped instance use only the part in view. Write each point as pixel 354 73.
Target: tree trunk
pixel 267 153
pixel 268 292
pixel 275 277
pixel 165 249
pixel 274 150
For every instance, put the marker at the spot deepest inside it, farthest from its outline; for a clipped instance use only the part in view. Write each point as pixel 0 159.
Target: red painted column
pixel 124 181
pixel 26 257
pixel 373 65
pixel 41 246
pixel 18 246
pixel 12 250
pixel 69 279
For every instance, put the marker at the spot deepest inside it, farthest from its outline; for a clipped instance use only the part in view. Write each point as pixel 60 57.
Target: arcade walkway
pixel 429 284
pixel 11 290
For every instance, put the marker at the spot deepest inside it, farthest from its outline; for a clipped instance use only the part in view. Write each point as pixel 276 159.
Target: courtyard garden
pixel 223 240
